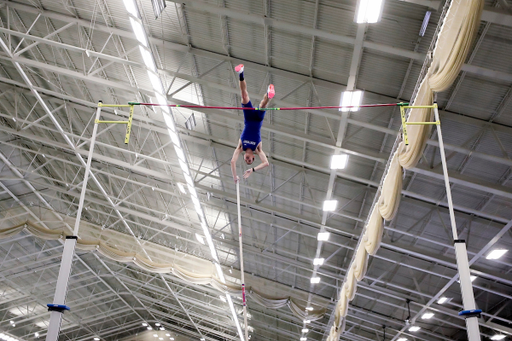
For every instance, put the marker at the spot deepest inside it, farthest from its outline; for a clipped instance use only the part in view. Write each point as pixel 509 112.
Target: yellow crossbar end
pixel 129 126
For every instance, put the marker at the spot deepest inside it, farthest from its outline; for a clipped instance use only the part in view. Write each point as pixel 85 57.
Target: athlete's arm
pixel 264 162
pixel 236 154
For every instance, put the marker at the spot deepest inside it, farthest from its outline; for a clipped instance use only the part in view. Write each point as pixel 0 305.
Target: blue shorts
pixel 253 115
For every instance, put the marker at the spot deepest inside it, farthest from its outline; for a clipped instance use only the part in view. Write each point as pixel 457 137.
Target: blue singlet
pixel 253 120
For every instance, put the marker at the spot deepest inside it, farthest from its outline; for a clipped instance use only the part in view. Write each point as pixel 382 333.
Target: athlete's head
pixel 249 157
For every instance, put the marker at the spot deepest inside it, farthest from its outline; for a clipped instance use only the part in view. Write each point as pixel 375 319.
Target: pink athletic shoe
pixel 239 68
pixel 271 92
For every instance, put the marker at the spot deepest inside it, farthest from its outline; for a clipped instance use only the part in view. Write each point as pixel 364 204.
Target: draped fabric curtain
pixel 454 42
pixel 193 270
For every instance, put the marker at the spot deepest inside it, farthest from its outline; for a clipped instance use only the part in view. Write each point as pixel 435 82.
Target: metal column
pixel 58 307
pixel 468 298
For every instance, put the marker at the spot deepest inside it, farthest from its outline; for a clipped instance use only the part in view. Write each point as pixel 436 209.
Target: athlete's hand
pixel 247 173
pixel 236 179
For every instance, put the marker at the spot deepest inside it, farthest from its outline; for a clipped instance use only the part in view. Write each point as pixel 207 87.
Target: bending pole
pixel 242 277
pixel 466 287
pixel 58 307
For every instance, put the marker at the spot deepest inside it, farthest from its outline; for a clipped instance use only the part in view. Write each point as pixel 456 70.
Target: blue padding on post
pixel 58 306
pixel 470 312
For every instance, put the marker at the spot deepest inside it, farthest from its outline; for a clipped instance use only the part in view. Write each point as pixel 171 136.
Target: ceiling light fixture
pixel 323 236
pixel 498 337
pixel 368 11
pixel 182 188
pixel 443 300
pixel 155 335
pixel 330 205
pixel 315 280
pixel 167 334
pixel 402 339
pixel 307 321
pixel 161 99
pixel 200 239
pixel 339 161
pixel 351 100
pixel 36 334
pixel 318 261
pixel 150 328
pixel 414 329
pixel 427 316
pixel 96 339
pixel 305 330
pixel 496 254
pixel 303 339
pixel 309 308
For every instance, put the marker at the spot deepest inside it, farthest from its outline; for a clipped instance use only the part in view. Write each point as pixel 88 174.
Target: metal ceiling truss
pixel 49 172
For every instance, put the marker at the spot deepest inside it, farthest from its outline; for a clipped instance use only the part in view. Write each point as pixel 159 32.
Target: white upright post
pixel 242 277
pixel 468 298
pixel 58 307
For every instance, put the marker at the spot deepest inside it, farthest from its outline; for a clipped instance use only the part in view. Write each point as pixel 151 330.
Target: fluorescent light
pixel 150 328
pixel 155 81
pixel 181 188
pixel 11 322
pixel 131 8
pixel 167 334
pixel 427 316
pixel 323 236
pixel 96 339
pixel 307 321
pixel 318 261
pixel 303 338
pixel 351 99
pixel 202 339
pixel 443 300
pixel 368 11
pixel 180 154
pixel 162 328
pixel 139 31
pixel 309 308
pixel 222 298
pixel 330 205
pixel 160 338
pixel 414 329
pixel 315 280
pixel 339 161
pixel 200 239
pixel 144 324
pixel 496 254
pixel 148 58
pixel 402 339
pixel 498 337
pixel 36 334
pixel 155 335
pixel 305 330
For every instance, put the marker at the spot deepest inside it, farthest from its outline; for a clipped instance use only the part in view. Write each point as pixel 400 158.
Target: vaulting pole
pixel 242 277
pixel 468 299
pixel 58 306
